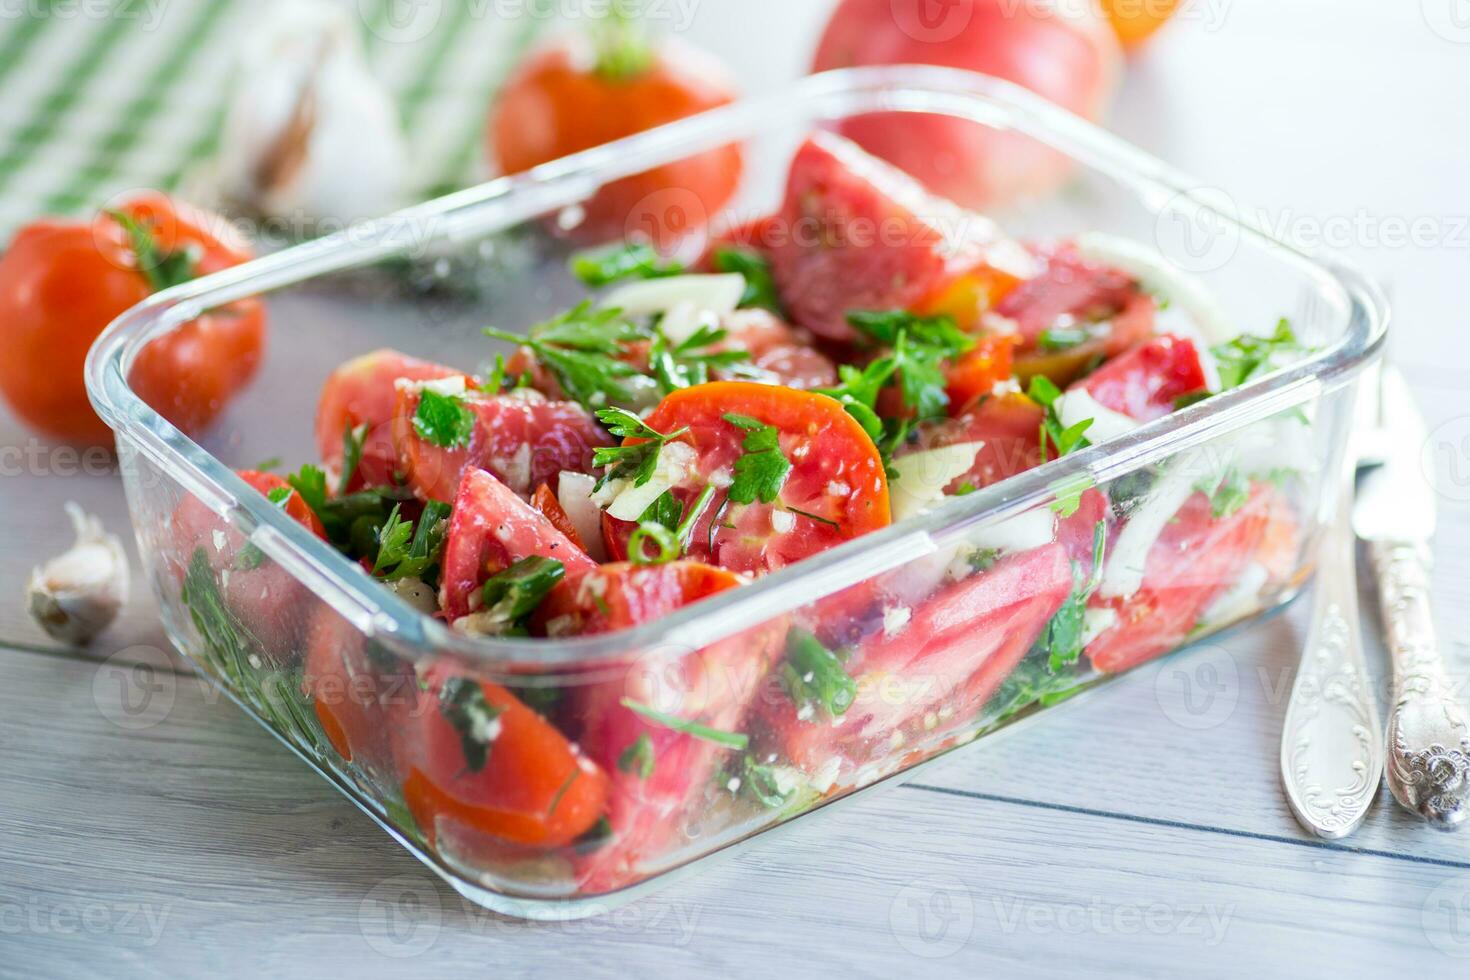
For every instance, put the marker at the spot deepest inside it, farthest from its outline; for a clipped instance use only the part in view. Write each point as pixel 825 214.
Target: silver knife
pixel 1332 740
pixel 1428 765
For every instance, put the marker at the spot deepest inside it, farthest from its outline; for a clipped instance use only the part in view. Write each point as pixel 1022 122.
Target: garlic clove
pixel 77 594
pixel 311 134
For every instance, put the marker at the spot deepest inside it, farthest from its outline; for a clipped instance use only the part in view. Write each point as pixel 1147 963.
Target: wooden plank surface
pixel 1139 832
pixel 200 844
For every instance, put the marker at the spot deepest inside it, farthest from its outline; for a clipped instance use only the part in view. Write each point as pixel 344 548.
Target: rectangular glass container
pixel 428 279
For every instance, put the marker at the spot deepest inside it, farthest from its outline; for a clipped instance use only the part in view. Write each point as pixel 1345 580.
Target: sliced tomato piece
pixel 1008 427
pixel 787 354
pixel 1194 560
pixel 489 530
pixel 658 775
pixel 934 671
pixel 359 698
pixel 979 370
pixel 856 233
pixel 1106 305
pixel 1144 382
pixel 529 785
pixel 521 437
pixel 549 505
pixel 361 392
pixel 294 507
pixel 836 489
pixel 267 599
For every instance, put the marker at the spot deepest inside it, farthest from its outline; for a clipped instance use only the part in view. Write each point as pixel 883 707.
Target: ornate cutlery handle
pixel 1428 731
pixel 1332 743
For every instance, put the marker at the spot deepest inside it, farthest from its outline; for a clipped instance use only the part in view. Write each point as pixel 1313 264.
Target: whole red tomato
pixel 581 91
pixel 62 282
pixel 1064 52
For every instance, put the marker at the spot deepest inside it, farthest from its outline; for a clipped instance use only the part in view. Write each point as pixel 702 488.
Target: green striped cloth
pixel 98 96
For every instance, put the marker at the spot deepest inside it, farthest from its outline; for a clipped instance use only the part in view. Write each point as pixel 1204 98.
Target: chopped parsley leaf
pixel 1228 493
pixel 352 443
pixel 631 260
pixel 1068 439
pixel 919 347
pixel 444 420
pixel 637 758
pixel 1061 338
pixel 760 285
pixel 1248 356
pixel 681 365
pixel 1061 641
pixel 637 462
pixel 510 596
pixel 583 348
pixel 729 740
pixel 761 472
pixel 410 549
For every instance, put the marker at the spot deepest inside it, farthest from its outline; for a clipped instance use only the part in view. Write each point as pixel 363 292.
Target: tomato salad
pixel 857 358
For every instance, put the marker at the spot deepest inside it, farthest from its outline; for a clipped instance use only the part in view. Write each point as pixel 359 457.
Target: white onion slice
pixel 1128 557
pixel 1078 405
pixel 574 492
pixel 919 479
pixel 720 294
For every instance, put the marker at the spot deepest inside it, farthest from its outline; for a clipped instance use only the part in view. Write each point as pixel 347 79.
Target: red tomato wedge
pixel 294 507
pixel 1194 560
pixel 1071 293
pixel 1009 428
pixel 489 530
pixel 951 655
pixel 268 600
pixel 658 774
pixel 361 392
pixel 546 502
pixel 836 489
pixel 1143 383
pixel 978 371
pixel 357 700
pixel 529 785
pixel 521 437
pixel 856 233
pixel 780 350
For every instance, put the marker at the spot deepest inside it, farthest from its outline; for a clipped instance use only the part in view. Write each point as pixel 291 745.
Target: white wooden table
pixel 148 828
